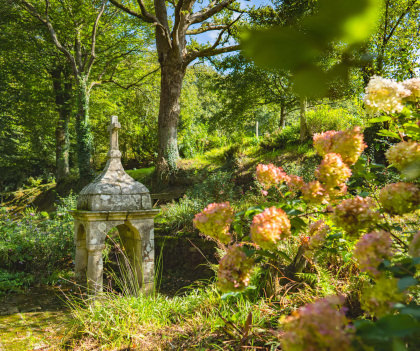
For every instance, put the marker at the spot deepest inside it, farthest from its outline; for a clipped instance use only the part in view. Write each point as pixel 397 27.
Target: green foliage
pixel 323 118
pixel 303 49
pixel 14 282
pixel 35 242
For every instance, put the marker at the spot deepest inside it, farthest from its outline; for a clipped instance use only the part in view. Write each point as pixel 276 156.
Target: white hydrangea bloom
pixel 385 95
pixel 413 85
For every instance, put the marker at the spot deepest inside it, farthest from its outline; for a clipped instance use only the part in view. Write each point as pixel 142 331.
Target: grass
pixel 198 319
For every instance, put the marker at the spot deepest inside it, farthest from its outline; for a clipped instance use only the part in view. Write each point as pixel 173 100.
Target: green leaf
pixel 388 133
pixel 380 119
pixel 398 345
pixel 406 282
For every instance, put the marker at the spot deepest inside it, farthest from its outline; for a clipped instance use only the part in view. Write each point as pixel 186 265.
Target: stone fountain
pixel 114 200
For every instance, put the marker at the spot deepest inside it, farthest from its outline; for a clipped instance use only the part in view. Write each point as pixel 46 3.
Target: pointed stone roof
pixel 114 189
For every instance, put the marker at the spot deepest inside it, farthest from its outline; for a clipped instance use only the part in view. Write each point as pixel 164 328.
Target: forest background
pixel 223 96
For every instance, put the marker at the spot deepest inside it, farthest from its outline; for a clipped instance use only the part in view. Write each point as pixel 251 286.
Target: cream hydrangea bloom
pixel 385 95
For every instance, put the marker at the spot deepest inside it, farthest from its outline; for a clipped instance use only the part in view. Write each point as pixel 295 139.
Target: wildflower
pixel 403 154
pixel 314 193
pixel 385 95
pixel 214 221
pixel 347 143
pixel 294 183
pixel 269 227
pixel 317 234
pixel 379 299
pixel 270 175
pixel 413 85
pixel 371 250
pixel 332 171
pixel 234 269
pixel 318 326
pixel 355 215
pixel 414 247
pixel 399 198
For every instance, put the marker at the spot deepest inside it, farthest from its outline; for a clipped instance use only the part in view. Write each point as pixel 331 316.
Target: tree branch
pixel 209 11
pixel 210 52
pixel 399 20
pixel 126 87
pixel 32 10
pixel 207 27
pixel 131 12
pixel 93 41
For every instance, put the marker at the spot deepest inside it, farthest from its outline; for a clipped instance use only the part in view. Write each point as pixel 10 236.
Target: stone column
pixel 95 269
pixel 145 250
pixel 81 256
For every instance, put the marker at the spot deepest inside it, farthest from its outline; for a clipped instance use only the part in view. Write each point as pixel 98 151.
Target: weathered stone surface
pixel 114 200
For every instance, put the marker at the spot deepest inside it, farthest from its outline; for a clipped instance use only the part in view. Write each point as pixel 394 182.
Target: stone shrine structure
pixel 114 200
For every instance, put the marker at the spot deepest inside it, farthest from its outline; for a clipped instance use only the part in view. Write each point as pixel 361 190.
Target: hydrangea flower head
pixel 355 215
pixel 371 250
pixel 214 221
pixel 403 154
pixel 314 193
pixel 414 247
pixel 270 175
pixel 269 227
pixel 385 95
pixel 323 142
pixel 399 198
pixel 332 172
pixel 295 183
pixel 348 144
pixel 413 85
pixel 234 269
pixel 318 326
pixel 317 234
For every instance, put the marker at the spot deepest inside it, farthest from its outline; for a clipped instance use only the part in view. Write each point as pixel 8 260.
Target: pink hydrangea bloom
pixel 270 175
pixel 399 198
pixel 214 221
pixel 371 250
pixel 385 95
pixel 295 183
pixel 323 142
pixel 269 227
pixel 234 270
pixel 332 172
pixel 403 154
pixel 414 247
pixel 317 234
pixel 318 326
pixel 413 85
pixel 356 214
pixel 313 192
pixel 347 143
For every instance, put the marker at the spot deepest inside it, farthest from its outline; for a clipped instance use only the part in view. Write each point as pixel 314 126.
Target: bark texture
pixel 62 87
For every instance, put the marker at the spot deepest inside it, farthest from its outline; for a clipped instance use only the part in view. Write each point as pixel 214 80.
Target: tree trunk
pixel 83 133
pixel 172 75
pixel 282 115
pixel 62 91
pixel 304 130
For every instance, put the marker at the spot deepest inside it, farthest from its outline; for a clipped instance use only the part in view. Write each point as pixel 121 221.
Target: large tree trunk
pixel 282 115
pixel 172 75
pixel 83 133
pixel 62 90
pixel 304 130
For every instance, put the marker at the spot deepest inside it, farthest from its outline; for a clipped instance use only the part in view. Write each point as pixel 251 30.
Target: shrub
pixel 324 117
pixel 37 242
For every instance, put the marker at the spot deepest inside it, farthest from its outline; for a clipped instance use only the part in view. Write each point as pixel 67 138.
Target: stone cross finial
pixel 113 137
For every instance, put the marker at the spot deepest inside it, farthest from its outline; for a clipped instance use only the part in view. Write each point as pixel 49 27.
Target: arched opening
pixel 81 256
pixel 123 260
